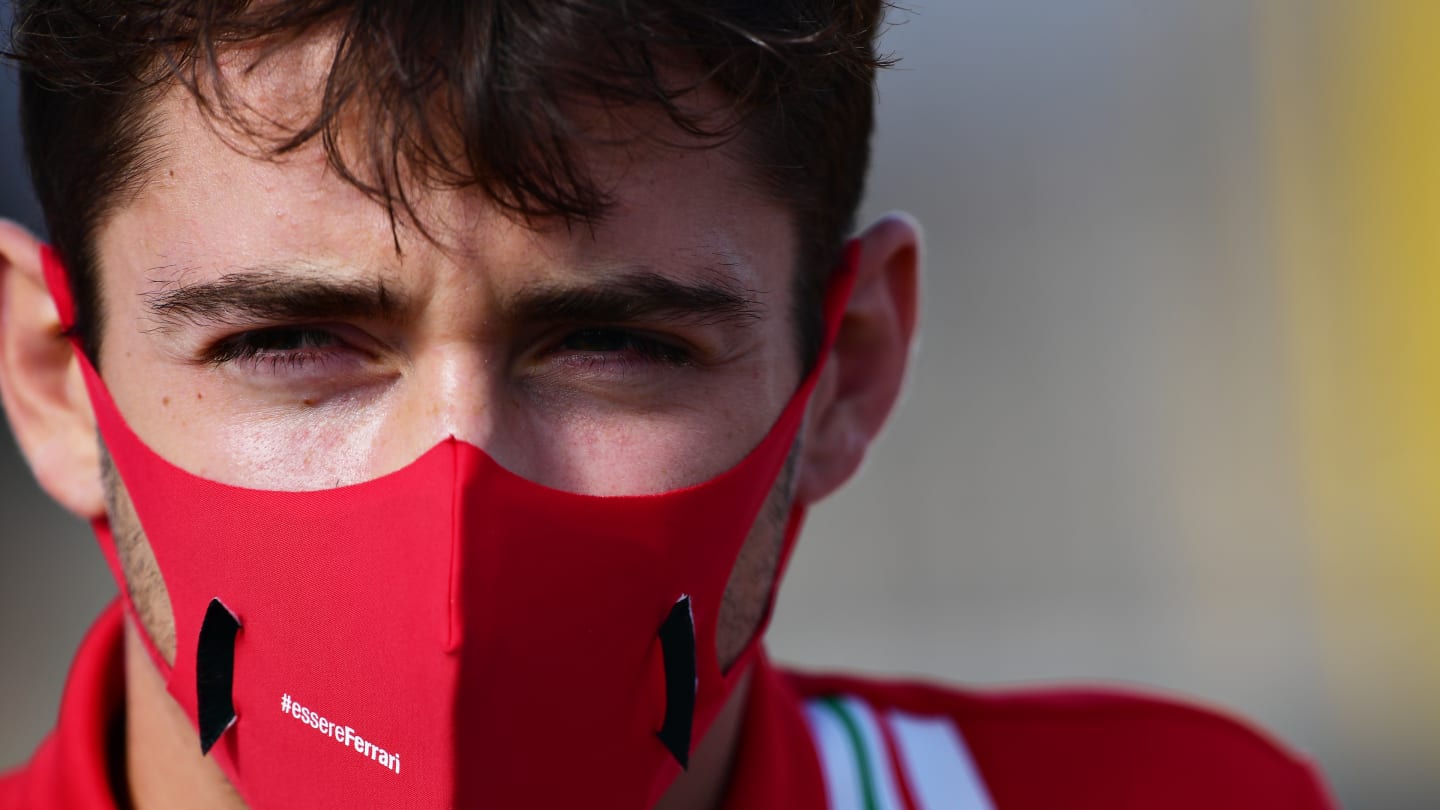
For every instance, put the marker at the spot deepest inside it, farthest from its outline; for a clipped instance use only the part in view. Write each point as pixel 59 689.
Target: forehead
pixel 217 192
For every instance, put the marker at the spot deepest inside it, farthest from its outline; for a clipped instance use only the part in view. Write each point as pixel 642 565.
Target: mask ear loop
pixel 58 282
pixel 836 299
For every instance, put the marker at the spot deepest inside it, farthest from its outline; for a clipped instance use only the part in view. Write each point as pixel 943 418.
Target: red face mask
pixel 449 635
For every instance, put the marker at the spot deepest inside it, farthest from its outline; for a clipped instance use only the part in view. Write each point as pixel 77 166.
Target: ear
pixel 866 368
pixel 40 382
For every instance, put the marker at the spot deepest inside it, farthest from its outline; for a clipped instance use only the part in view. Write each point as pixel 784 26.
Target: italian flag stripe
pixel 936 763
pixel 838 764
pixel 857 748
pixel 894 761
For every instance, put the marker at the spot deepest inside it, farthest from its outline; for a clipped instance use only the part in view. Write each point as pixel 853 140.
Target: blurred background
pixel 1176 415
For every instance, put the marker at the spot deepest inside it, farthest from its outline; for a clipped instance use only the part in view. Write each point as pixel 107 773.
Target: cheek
pixel 636 455
pixel 305 450
pixel 197 425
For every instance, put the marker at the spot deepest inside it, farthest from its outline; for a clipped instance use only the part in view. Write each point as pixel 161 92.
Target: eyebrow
pixel 273 294
pixel 637 295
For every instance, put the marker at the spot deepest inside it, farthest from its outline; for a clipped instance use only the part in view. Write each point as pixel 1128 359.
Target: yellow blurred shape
pixel 1353 109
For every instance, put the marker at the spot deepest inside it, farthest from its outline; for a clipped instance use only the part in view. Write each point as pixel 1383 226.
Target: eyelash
pixel 277 350
pixel 645 348
pixel 293 349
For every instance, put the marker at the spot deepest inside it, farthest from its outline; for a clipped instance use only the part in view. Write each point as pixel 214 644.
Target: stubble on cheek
pixel 143 580
pixel 752 582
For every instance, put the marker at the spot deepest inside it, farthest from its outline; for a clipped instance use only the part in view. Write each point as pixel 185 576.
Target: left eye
pixel 623 342
pixel 281 344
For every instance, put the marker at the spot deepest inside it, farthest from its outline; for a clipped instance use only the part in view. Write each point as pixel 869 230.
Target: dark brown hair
pixel 496 77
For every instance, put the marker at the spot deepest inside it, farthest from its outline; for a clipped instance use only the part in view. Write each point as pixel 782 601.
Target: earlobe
pixel 40 382
pixel 865 373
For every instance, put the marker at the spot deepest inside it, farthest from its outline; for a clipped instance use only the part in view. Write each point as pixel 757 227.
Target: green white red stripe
pixel 926 766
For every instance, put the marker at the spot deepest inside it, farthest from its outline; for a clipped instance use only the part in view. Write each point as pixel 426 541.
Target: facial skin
pixel 261 330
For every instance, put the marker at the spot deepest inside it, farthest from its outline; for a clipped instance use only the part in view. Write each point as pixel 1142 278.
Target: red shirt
pixel 835 743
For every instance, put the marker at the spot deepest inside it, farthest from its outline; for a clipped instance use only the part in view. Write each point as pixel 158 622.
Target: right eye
pixel 278 350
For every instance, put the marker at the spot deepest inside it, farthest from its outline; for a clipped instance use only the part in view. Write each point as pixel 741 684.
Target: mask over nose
pixel 451 634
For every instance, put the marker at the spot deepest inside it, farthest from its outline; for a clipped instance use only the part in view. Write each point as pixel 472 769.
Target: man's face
pixel 261 329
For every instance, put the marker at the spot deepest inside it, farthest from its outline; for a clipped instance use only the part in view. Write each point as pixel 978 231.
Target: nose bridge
pixel 457 388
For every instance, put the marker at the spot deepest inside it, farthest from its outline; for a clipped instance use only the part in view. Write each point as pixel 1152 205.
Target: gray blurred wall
pixel 52 579
pixel 1088 479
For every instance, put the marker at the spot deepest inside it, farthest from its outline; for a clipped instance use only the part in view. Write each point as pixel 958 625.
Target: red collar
pixel 776 765
pixel 72 768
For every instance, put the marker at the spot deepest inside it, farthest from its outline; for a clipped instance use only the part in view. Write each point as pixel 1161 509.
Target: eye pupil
pixel 291 339
pixel 622 344
pixel 599 340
